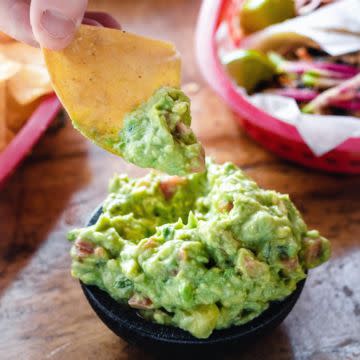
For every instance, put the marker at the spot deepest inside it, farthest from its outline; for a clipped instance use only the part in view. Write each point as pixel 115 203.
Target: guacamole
pixel 157 135
pixel 201 252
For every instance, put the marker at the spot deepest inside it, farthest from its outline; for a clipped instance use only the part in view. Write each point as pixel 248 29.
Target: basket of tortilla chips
pixel 27 102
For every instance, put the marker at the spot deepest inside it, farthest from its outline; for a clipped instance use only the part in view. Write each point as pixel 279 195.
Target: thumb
pixel 54 22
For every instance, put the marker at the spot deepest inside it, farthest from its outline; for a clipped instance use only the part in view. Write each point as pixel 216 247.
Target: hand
pixel 48 23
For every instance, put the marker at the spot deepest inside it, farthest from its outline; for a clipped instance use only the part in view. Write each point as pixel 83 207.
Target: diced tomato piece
pixel 150 243
pixel 226 207
pixel 169 185
pixel 290 264
pixel 139 302
pixel 83 248
pixel 313 250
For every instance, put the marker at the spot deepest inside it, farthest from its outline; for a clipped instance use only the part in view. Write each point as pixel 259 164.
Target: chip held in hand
pixel 106 73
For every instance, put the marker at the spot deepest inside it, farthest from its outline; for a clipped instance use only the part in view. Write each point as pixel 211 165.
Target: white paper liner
pixel 321 133
pixel 335 28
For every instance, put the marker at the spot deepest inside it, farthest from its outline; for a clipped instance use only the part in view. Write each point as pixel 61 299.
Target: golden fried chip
pixel 29 83
pixel 22 53
pixel 8 68
pixel 17 114
pixel 4 38
pixel 105 73
pixel 24 80
pixel 2 115
pixel 9 135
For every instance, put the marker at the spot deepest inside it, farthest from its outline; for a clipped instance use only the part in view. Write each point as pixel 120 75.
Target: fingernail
pixel 57 25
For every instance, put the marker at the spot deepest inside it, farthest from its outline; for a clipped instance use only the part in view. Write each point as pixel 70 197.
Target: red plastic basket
pixel 274 134
pixel 27 137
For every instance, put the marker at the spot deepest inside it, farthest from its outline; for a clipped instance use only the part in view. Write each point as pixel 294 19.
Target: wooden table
pixel 43 313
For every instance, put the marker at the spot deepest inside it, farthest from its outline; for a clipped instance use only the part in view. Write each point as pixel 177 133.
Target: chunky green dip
pixel 157 135
pixel 201 252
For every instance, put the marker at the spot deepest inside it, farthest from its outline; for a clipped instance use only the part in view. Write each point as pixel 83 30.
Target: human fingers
pixel 54 22
pixel 15 20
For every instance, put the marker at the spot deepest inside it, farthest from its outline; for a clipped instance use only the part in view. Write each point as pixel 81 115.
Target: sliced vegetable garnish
pixel 338 71
pixel 248 68
pixel 256 15
pixel 297 94
pixel 324 99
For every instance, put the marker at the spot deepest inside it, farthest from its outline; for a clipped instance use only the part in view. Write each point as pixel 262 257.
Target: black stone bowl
pixel 126 323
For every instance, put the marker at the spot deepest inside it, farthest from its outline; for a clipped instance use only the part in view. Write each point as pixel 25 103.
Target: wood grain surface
pixel 43 313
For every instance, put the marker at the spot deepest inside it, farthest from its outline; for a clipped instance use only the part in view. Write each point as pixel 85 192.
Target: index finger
pixel 54 22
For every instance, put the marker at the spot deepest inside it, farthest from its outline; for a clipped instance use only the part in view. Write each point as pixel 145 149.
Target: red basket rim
pixel 26 138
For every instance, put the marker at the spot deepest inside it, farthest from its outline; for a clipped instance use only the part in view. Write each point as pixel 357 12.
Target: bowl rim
pixel 179 336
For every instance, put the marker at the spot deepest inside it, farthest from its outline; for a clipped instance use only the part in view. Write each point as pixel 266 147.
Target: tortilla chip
pixel 4 38
pixel 23 82
pixel 30 83
pixel 105 73
pixel 17 114
pixel 8 68
pixel 9 135
pixel 22 53
pixel 266 41
pixel 2 115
